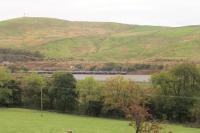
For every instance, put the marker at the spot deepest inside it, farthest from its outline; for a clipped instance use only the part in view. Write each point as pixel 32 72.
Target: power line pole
pixel 41 102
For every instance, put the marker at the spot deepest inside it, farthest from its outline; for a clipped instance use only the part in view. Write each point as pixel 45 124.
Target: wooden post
pixel 69 131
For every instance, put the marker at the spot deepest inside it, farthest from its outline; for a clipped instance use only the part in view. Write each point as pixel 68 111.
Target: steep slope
pixel 93 41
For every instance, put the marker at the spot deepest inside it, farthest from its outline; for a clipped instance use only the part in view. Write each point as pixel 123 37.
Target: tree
pixel 139 114
pixel 196 114
pixel 127 96
pixel 6 91
pixel 121 92
pixel 63 91
pixel 90 97
pixel 5 96
pixel 182 80
pixel 176 89
pixel 14 85
pixel 32 87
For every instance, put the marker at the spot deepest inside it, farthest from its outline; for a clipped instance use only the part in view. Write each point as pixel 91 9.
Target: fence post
pixel 69 131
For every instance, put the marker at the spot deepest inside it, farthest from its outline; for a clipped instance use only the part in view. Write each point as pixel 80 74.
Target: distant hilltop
pixel 100 41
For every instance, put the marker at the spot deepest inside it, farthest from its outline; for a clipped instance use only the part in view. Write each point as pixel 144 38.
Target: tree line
pixel 174 96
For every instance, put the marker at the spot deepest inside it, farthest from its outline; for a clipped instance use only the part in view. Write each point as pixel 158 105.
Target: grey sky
pixel 144 12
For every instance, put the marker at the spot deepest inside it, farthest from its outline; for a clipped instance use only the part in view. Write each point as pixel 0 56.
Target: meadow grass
pixel 16 120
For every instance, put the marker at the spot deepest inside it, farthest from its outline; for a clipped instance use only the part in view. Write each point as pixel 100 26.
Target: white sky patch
pixel 144 12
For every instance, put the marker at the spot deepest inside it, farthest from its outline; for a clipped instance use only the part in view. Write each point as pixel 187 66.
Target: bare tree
pixel 127 96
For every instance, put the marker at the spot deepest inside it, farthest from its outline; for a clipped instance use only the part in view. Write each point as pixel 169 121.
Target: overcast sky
pixel 144 12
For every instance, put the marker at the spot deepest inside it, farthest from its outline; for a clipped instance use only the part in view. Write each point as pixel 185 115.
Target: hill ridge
pixel 100 41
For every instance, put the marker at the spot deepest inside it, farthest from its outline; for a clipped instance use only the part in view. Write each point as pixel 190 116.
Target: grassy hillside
pixel 92 41
pixel 30 121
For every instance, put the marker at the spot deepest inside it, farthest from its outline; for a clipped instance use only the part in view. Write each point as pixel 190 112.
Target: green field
pixel 93 41
pixel 30 121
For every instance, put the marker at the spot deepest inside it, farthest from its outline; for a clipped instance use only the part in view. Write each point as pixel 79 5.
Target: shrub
pixel 63 92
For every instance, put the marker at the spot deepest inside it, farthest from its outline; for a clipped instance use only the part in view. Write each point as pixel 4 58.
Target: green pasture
pixel 16 120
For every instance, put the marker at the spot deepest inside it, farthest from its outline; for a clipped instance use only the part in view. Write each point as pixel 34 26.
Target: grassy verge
pixel 29 121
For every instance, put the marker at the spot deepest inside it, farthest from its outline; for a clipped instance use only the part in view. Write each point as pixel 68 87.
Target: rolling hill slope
pixel 93 41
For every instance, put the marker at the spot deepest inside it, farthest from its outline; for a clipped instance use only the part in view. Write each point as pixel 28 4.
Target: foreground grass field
pixel 29 121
